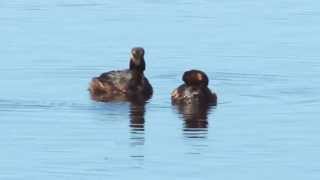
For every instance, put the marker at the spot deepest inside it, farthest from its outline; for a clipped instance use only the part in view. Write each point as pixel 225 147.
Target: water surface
pixel 262 58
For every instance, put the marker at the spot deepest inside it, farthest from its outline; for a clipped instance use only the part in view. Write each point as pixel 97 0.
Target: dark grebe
pixel 124 85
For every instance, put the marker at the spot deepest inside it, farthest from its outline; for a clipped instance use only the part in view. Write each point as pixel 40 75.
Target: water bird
pixel 123 85
pixel 194 90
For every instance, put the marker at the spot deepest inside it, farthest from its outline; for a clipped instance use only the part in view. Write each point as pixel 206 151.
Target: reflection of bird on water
pixel 195 115
pixel 137 111
pixel 125 84
pixel 193 100
pixel 195 118
pixel 137 139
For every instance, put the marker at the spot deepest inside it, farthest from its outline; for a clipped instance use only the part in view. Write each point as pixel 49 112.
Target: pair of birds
pixel 132 85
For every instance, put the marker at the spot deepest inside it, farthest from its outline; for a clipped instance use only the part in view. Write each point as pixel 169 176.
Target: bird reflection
pixel 137 139
pixel 195 118
pixel 137 111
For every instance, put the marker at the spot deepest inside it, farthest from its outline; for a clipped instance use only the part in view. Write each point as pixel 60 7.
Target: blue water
pixel 262 58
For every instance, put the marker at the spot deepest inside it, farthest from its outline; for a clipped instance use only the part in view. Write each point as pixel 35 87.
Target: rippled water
pixel 262 58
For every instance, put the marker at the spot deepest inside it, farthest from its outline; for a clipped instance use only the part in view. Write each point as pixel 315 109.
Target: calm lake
pixel 262 58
